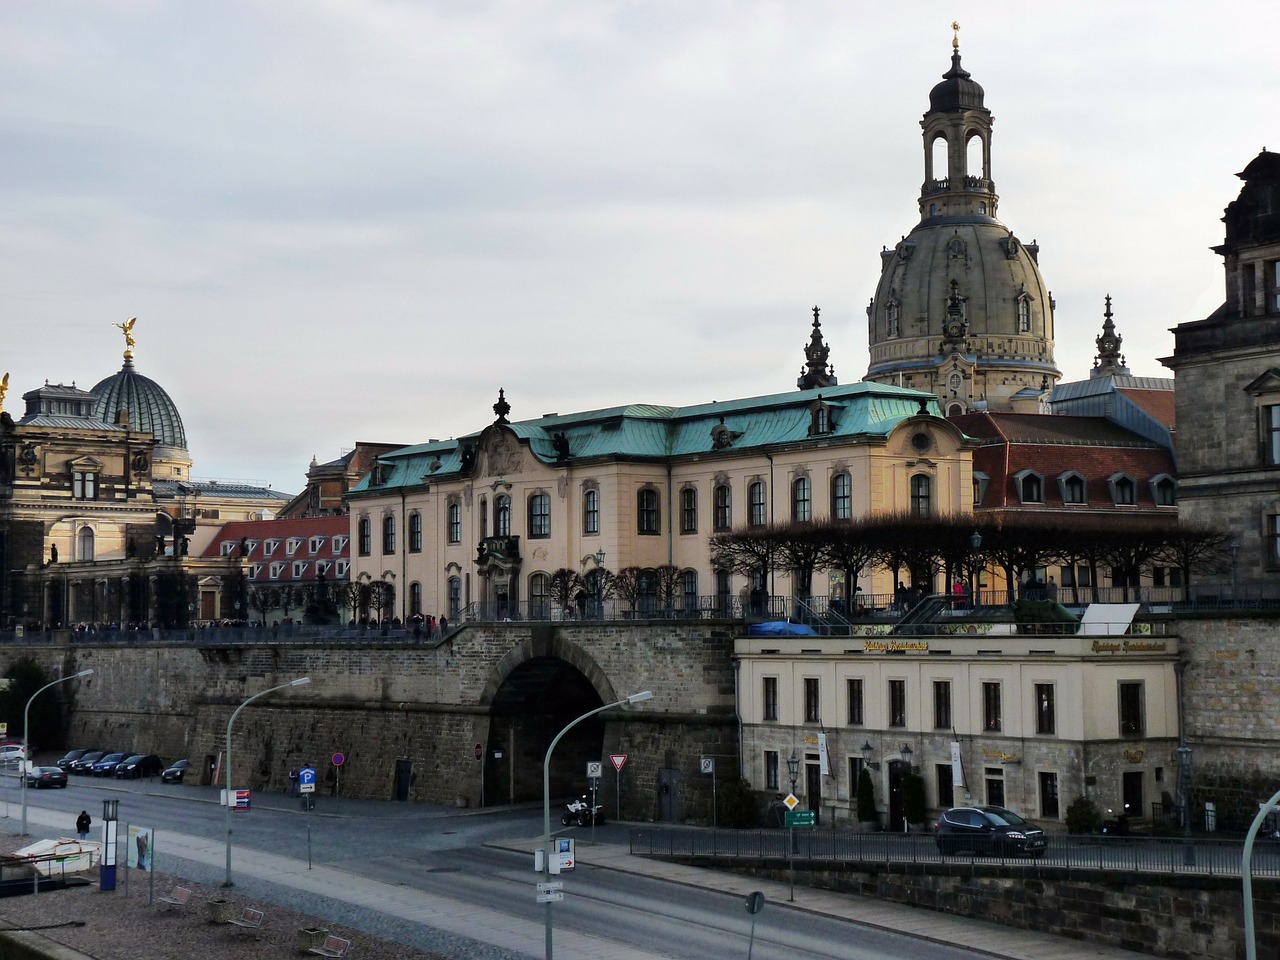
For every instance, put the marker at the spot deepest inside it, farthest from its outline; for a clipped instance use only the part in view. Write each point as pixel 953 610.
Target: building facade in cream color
pixel 488 518
pixel 961 309
pixel 1036 720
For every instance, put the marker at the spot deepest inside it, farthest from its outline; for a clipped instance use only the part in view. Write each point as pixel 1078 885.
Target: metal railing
pixel 1120 855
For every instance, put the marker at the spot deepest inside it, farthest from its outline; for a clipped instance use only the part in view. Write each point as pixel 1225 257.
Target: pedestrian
pixel 82 824
pixel 444 626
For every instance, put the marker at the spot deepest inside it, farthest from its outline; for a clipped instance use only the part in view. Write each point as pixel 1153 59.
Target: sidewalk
pixel 509 933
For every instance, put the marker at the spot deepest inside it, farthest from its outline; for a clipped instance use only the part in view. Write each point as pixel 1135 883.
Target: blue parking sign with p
pixel 307 779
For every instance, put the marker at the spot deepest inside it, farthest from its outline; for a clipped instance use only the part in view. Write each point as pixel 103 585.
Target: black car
pixel 988 830
pixel 39 777
pixel 105 766
pixel 175 773
pixel 138 765
pixel 86 762
pixel 71 757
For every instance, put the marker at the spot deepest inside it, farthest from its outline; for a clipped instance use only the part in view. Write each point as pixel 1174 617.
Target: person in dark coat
pixel 82 824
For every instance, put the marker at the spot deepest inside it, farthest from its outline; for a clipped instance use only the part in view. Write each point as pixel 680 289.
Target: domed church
pixel 961 309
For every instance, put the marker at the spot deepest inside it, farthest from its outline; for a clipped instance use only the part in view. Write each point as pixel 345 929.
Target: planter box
pixel 309 937
pixel 217 910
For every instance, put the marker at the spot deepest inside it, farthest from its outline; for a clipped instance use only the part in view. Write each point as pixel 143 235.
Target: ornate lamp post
pixel 975 581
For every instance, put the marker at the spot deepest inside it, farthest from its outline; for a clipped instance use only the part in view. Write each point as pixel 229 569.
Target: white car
pixel 12 754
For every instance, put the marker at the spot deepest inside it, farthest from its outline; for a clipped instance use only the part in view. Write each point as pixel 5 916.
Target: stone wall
pixel 1180 917
pixel 382 703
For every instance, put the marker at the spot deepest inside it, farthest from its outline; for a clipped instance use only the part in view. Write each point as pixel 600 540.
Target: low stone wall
pixel 1182 917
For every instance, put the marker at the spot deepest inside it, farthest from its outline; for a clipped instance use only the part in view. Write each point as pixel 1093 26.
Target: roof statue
pixel 816 372
pixel 4 390
pixel 129 342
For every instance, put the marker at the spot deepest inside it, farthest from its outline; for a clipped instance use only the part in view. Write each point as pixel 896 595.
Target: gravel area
pixel 113 926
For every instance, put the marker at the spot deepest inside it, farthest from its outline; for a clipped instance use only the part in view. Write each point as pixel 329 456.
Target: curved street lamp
pixel 546 797
pixel 301 681
pixel 26 737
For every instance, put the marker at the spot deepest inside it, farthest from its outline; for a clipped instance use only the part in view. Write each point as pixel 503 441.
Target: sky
pixel 349 220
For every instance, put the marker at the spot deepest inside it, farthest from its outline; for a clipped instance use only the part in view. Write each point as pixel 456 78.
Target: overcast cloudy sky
pixel 343 220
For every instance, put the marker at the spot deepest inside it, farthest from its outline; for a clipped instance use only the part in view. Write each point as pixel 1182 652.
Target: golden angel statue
pixel 4 390
pixel 129 342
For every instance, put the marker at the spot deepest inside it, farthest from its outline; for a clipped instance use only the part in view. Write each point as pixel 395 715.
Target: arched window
pixel 1024 314
pixel 455 523
pixel 415 532
pixel 689 510
pixel 591 511
pixel 455 597
pixel 756 514
pixel 648 512
pixel 973 157
pixel 892 312
pixel 921 495
pixel 539 516
pixel 364 533
pixel 540 596
pixel 723 508
pixel 84 545
pixel 841 497
pixel 389 534
pixel 415 599
pixel 801 501
pixel 502 515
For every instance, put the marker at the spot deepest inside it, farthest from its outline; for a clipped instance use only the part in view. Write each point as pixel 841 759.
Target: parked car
pixel 988 830
pixel 139 765
pixel 105 766
pixel 12 754
pixel 71 757
pixel 176 772
pixel 39 777
pixel 86 762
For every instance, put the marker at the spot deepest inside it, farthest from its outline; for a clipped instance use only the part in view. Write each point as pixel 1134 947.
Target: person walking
pixel 82 824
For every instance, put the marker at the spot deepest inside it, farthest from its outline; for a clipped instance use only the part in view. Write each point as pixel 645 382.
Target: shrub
pixel 866 798
pixel 1083 816
pixel 914 805
pixel 737 804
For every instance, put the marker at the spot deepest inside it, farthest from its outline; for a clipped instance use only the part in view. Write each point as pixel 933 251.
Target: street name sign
pixel 801 818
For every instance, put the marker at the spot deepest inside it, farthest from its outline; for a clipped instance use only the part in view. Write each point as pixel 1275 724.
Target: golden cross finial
pixel 955 37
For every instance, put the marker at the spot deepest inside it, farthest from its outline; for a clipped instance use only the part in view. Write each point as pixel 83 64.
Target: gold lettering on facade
pixel 895 646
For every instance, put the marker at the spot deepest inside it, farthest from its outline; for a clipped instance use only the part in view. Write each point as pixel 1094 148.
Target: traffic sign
pixel 593 768
pixel 792 801
pixel 4 728
pixel 339 759
pixel 801 818
pixel 479 751
pixel 307 780
pixel 708 764
pixel 551 897
pixel 549 887
pixel 619 761
pixel 242 799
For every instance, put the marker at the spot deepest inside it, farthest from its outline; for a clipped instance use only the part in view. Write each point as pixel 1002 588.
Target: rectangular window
pixel 84 485
pixel 995 786
pixel 770 701
pixel 291 546
pixel 854 690
pixel 688 510
pixel 897 703
pixel 1273 283
pixel 942 704
pixel 1048 795
pixel 946 789
pixel 275 570
pixel 591 511
pixel 455 523
pixel 269 547
pixel 756 515
pixel 801 501
pixel 723 519
pixel 921 495
pixel 315 544
pixel 323 567
pixel 1271 435
pixel 771 769
pixel 991 707
pixel 648 519
pixel 1046 718
pixel 388 535
pixel 366 536
pixel 841 497
pixel 342 568
pixel 339 544
pixel 812 705
pixel 299 569
pixel 855 774
pixel 415 533
pixel 1132 720
pixel 540 516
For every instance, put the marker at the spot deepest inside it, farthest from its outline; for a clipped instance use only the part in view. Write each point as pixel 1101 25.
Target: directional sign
pixel 619 761
pixel 564 852
pixel 801 818
pixel 550 897
pixel 593 768
pixel 242 799
pixel 307 780
pixel 550 887
pixel 792 801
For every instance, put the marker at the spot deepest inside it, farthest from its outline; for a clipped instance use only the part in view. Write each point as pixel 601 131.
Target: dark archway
pixel 533 704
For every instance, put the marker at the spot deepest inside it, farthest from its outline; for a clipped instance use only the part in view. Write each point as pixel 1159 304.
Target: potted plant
pixel 914 806
pixel 868 819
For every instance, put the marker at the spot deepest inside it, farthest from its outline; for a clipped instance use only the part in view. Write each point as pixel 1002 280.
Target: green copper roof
pixel 651 432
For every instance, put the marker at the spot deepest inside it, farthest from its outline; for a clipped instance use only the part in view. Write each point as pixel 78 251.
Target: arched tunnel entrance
pixel 534 704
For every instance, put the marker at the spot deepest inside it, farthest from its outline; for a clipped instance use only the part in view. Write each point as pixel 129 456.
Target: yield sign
pixel 619 760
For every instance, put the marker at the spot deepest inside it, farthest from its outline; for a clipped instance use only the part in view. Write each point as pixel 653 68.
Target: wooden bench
pixel 177 897
pixel 249 919
pixel 333 947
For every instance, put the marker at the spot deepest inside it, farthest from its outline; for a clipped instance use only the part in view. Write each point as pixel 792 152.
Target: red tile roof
pixel 315 540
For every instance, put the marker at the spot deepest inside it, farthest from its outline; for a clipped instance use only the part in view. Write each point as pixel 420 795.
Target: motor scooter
pixel 582 813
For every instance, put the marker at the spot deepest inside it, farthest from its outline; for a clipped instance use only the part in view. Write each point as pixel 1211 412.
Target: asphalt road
pixel 441 852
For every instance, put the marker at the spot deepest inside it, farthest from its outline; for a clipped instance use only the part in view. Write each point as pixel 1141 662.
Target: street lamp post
pixel 546 798
pixel 975 581
pixel 600 583
pixel 26 737
pixel 301 681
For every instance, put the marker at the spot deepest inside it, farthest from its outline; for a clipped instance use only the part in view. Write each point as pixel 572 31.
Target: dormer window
pixel 980 483
pixel 340 543
pixel 291 545
pixel 377 474
pixel 299 569
pixel 315 545
pixel 1124 492
pixel 1164 490
pixel 1072 487
pixel 1030 486
pixel 269 547
pixel 227 548
pixel 276 569
pixel 255 571
pixel 821 421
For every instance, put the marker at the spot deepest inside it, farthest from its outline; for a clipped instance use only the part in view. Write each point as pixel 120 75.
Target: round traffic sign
pixel 339 759
pixel 479 751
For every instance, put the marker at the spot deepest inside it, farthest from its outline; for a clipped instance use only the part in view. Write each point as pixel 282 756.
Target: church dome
pixel 150 408
pixel 957 91
pixel 1254 216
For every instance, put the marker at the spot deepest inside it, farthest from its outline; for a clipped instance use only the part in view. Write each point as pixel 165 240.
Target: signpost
pixel 709 766
pixel 619 760
pixel 338 761
pixel 307 787
pixel 795 818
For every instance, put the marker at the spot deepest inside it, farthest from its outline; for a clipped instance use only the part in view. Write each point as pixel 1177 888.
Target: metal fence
pixel 1120 855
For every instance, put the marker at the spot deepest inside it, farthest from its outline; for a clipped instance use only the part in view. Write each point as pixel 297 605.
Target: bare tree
pixel 666 582
pixel 566 584
pixel 628 584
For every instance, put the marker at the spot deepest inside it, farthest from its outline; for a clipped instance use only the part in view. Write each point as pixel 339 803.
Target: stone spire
pixel 816 372
pixel 1109 361
pixel 502 408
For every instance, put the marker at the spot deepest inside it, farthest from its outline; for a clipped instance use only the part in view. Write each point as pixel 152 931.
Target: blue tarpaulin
pixel 780 628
